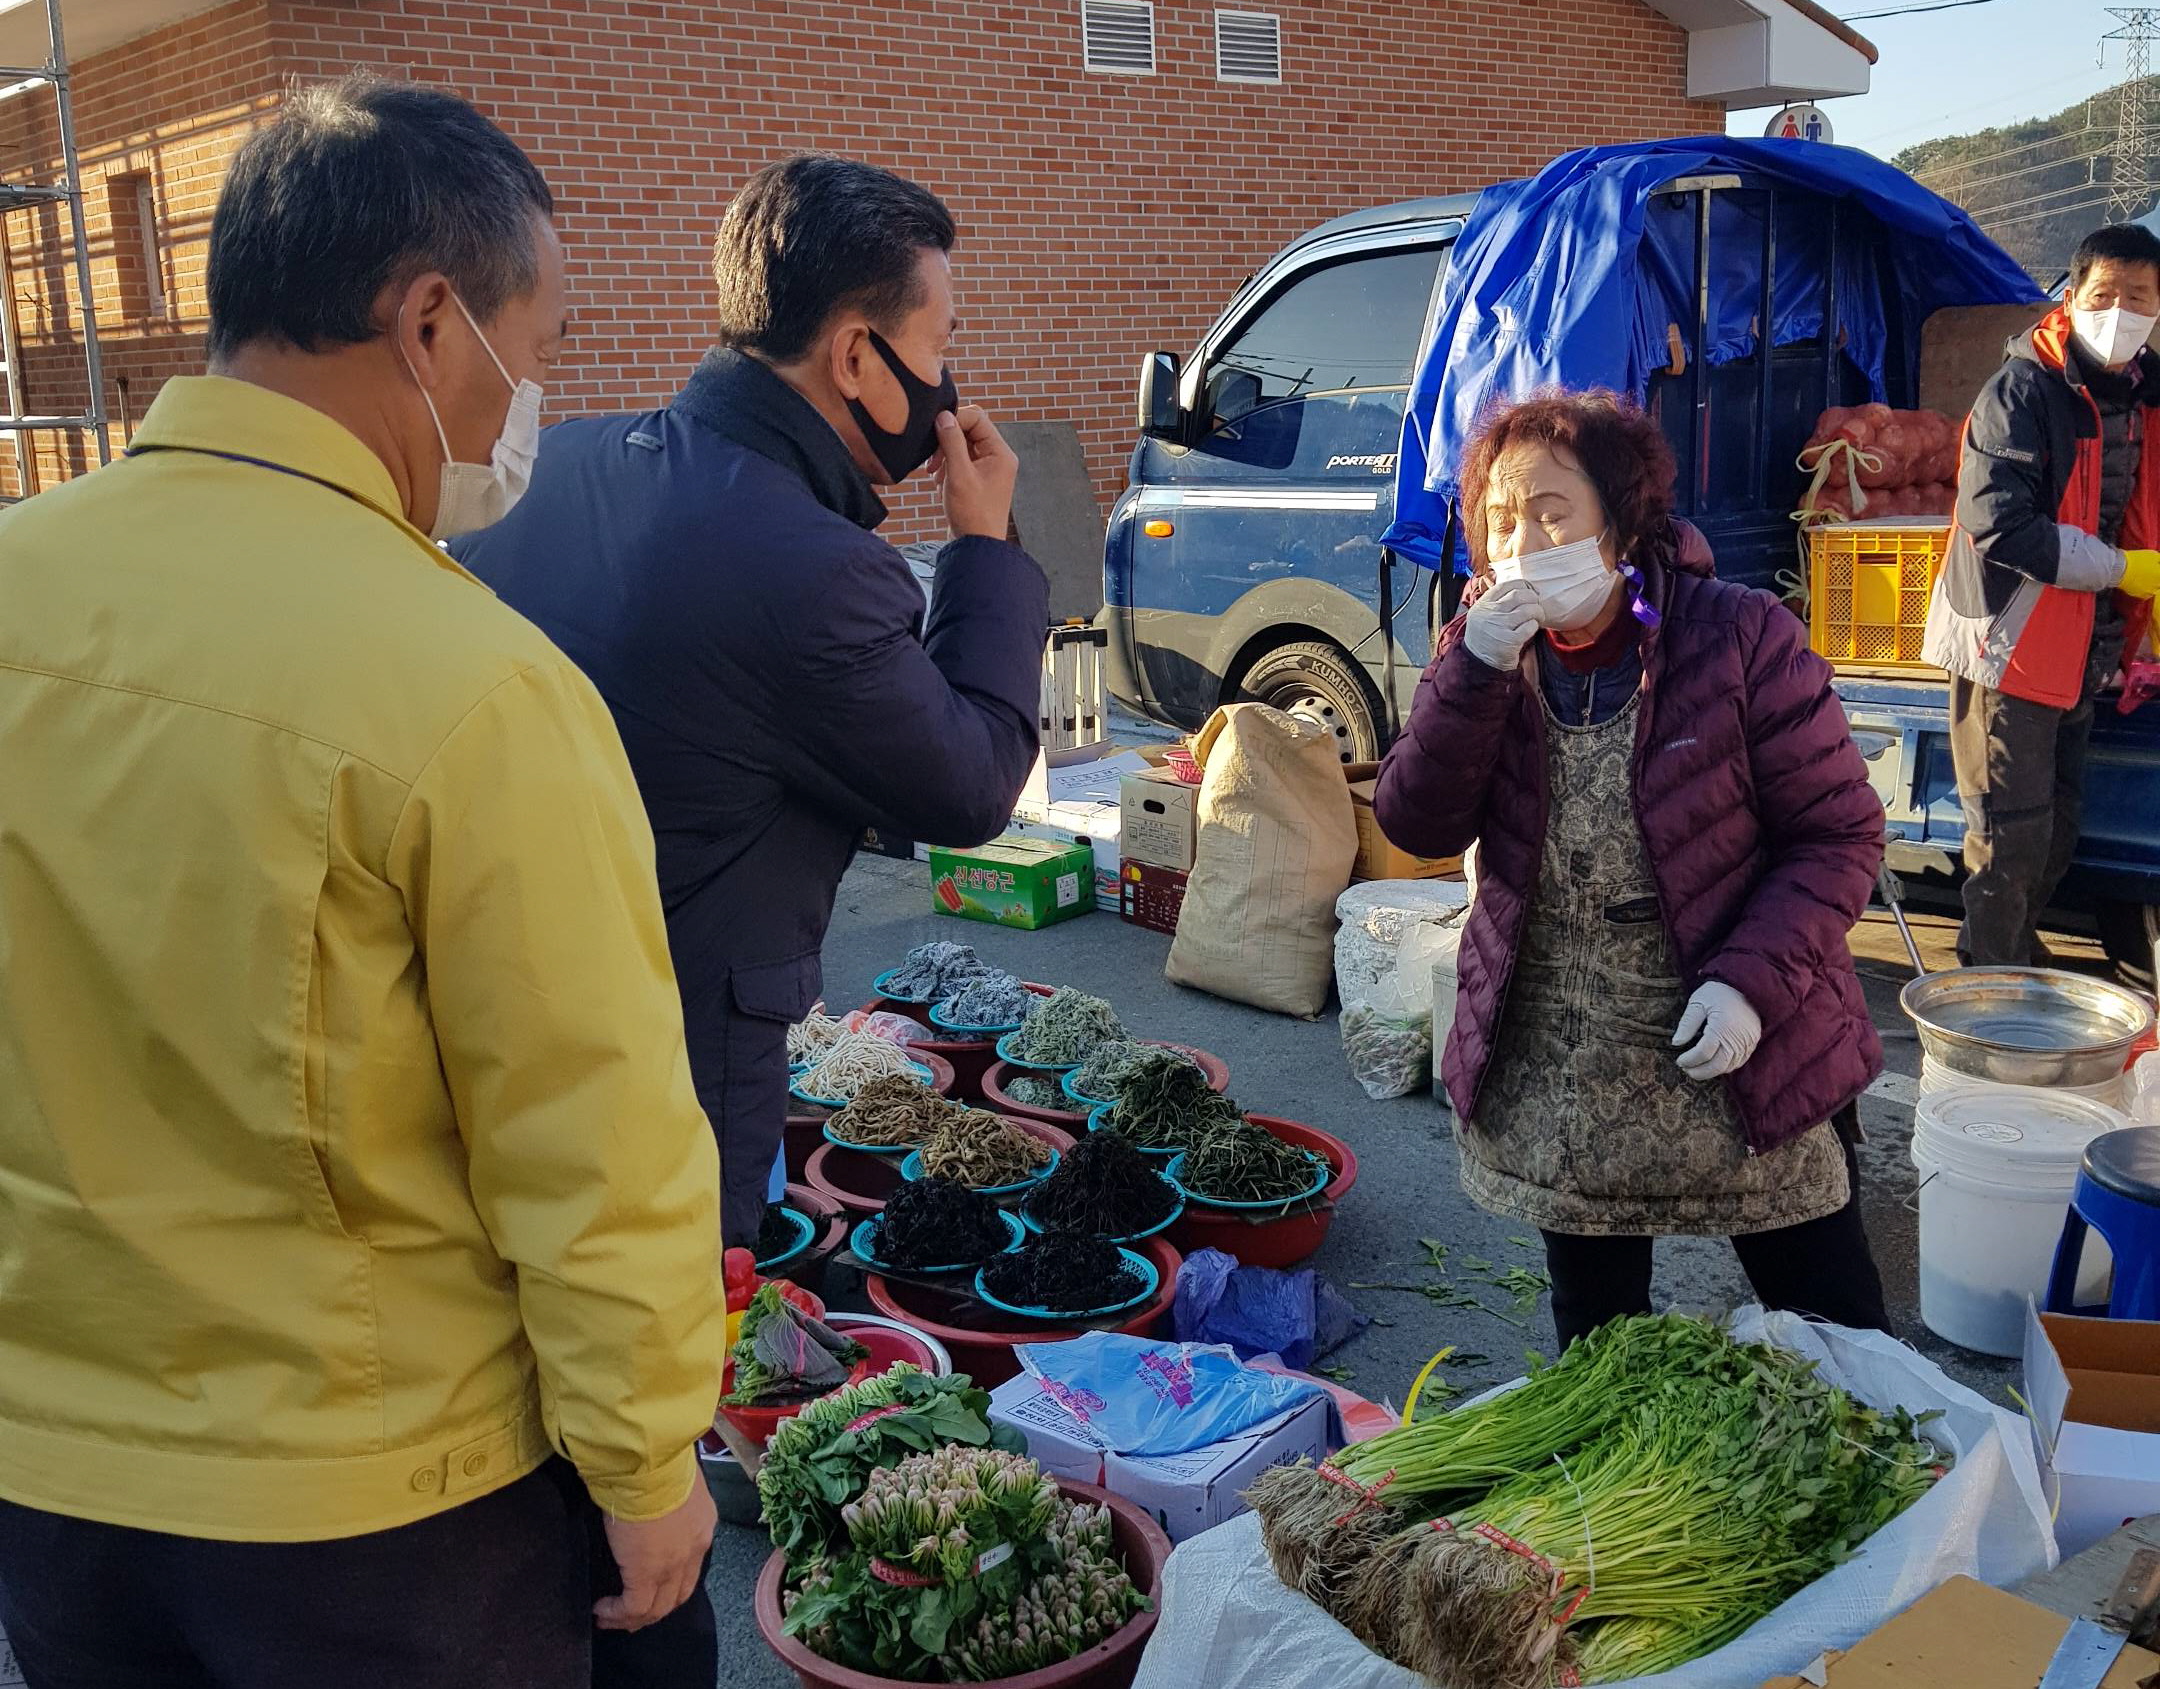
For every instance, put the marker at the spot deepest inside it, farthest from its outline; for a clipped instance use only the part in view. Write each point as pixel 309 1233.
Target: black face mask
pixel 916 443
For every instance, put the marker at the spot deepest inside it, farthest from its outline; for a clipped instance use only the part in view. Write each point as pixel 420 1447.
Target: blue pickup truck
pixel 1284 537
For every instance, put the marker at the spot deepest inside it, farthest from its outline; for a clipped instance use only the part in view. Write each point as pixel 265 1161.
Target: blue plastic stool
pixel 2118 1196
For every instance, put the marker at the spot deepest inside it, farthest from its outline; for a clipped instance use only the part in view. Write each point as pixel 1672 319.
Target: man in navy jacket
pixel 714 568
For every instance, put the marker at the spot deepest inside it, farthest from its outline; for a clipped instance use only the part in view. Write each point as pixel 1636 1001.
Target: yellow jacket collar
pixel 214 413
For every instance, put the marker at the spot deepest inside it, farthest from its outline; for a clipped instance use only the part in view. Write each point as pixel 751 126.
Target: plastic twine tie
pixel 1639 605
pixel 1368 1495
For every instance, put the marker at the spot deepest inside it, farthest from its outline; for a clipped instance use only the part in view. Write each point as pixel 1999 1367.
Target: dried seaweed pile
pixel 994 999
pixel 1063 1273
pixel 1236 1161
pixel 1103 1187
pixel 933 1223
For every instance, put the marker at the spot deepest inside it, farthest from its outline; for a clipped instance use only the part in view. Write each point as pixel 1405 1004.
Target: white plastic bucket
pixel 1936 1078
pixel 1997 1164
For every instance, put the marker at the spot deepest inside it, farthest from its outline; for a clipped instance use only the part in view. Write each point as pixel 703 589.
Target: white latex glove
pixel 1729 1031
pixel 1501 623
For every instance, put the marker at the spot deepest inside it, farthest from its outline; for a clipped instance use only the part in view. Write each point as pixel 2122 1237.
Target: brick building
pixel 1117 166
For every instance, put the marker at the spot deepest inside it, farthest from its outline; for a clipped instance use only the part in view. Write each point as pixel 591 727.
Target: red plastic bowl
pixel 995 1096
pixel 1280 1241
pixel 889 1345
pixel 1181 762
pixel 1111 1664
pixel 862 1183
pixel 982 1347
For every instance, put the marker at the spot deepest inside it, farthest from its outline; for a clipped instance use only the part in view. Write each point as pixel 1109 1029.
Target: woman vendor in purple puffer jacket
pixel 1659 1031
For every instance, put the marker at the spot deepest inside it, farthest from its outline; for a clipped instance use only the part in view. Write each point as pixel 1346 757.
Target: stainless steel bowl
pixel 2027 1026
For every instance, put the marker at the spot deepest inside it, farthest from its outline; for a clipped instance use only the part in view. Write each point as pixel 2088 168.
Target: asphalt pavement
pixel 1407 1188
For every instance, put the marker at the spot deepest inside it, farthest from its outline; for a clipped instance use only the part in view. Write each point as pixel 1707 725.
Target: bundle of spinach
pixel 783 1354
pixel 821 1459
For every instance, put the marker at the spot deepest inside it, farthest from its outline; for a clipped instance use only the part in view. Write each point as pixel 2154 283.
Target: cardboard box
pixel 1089 775
pixel 1187 1493
pixel 1160 819
pixel 2094 1390
pixel 1093 826
pixel 1152 897
pixel 1377 859
pixel 1016 882
pixel 1963 1635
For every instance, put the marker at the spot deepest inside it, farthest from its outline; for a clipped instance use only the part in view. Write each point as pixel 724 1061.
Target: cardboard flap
pixel 1965 1636
pixel 2110 1370
pixel 2047 1385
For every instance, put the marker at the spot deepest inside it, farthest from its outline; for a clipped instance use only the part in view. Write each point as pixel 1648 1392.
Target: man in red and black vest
pixel 2048 579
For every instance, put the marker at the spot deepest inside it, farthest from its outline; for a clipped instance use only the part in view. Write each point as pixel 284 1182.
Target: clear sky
pixel 1979 66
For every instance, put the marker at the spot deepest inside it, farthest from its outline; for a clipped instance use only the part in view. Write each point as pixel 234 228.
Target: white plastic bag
pixel 2141 1090
pixel 1393 932
pixel 1227 1619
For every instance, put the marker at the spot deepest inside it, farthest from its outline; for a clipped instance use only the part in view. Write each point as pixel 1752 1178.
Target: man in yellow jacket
pixel 359 1241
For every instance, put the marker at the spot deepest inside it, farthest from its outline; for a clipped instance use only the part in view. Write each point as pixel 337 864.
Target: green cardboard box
pixel 1016 882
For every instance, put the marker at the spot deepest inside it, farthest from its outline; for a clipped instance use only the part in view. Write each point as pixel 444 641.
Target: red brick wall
pixel 1100 216
pixel 173 107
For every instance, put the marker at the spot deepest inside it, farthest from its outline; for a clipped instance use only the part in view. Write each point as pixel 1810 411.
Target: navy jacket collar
pixel 743 400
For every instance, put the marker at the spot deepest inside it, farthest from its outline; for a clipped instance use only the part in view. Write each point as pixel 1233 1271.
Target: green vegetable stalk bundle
pixel 1631 1508
pixel 959 1563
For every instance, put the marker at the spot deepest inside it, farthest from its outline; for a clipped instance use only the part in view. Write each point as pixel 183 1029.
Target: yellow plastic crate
pixel 1868 588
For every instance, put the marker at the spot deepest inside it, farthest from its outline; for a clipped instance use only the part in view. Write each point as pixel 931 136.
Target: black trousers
pixel 745 1093
pixel 496 1594
pixel 2021 782
pixel 1821 1267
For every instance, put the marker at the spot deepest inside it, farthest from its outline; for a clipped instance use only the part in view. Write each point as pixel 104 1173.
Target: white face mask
pixel 477 495
pixel 2114 335
pixel 1571 581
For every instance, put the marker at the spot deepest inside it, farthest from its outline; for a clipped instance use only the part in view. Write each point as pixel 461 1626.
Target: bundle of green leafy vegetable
pixel 783 1354
pixel 962 1564
pixel 820 1460
pixel 1633 1507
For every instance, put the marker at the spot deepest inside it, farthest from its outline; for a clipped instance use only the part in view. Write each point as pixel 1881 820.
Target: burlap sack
pixel 1276 844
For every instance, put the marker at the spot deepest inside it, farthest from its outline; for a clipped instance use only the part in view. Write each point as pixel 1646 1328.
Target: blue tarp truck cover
pixel 1570 279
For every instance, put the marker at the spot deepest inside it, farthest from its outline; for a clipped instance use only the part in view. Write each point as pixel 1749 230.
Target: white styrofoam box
pixel 1187 1493
pixel 1074 822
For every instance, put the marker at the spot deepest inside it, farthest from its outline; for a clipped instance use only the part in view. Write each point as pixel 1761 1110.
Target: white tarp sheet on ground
pixel 1227 1619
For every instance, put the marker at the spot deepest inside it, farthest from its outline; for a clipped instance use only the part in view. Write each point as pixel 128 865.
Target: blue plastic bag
pixel 1139 1396
pixel 1296 1316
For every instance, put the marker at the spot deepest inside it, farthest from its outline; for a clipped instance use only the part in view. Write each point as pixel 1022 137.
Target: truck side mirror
pixel 1161 416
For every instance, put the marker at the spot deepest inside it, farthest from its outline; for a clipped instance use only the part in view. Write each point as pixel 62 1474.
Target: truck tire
pixel 1319 684
pixel 2126 934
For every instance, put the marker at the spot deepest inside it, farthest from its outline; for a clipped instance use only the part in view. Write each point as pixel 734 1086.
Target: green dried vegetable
pixel 1032 1090
pixel 1236 1161
pixel 1105 1074
pixel 1066 1028
pixel 1169 1107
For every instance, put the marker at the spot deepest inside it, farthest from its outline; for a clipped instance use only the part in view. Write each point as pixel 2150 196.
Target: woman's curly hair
pixel 1621 450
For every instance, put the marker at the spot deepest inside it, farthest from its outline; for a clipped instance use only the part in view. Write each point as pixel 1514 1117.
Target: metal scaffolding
pixel 16 196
